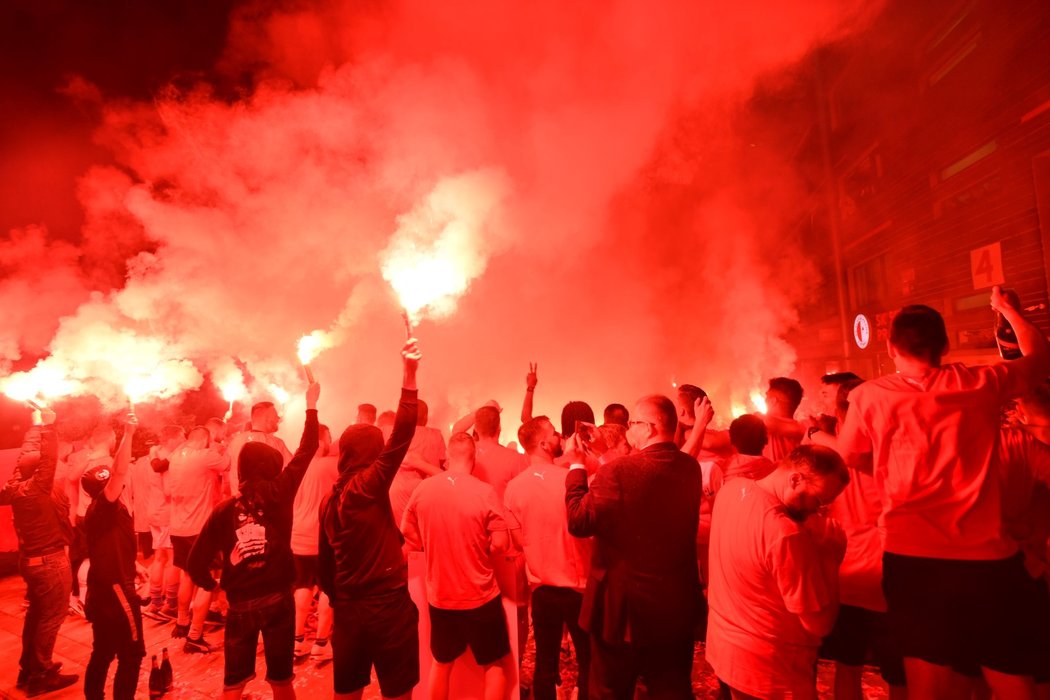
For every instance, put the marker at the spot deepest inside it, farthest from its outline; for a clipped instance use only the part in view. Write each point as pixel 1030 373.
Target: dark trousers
pixel 78 553
pixel 273 617
pixel 666 670
pixel 116 632
pixel 47 589
pixel 553 608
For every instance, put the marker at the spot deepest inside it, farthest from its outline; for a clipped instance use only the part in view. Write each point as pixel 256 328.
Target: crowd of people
pixel 906 526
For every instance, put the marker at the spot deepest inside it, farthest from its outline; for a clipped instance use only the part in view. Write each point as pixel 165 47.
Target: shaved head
pixel 659 412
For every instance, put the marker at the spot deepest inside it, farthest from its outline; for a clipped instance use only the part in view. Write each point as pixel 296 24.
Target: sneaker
pixel 50 682
pixel 197 646
pixel 215 618
pixel 180 630
pixel 321 652
pixel 23 674
pixel 300 648
pixel 152 611
pixel 169 612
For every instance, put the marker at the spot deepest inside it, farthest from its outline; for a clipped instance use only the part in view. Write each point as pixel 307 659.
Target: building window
pixel 868 283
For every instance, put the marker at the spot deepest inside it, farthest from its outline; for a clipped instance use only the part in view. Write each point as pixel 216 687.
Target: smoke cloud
pixel 551 182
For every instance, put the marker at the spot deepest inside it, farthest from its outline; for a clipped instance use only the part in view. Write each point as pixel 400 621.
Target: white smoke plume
pixel 510 168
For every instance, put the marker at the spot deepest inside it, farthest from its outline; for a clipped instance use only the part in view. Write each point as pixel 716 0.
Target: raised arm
pixel 588 506
pixel 375 481
pixel 40 439
pixel 531 379
pixel 704 413
pixel 1035 351
pixel 121 460
pixel 292 475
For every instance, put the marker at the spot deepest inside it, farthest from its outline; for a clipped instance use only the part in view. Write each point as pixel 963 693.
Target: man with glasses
pixel 643 598
pixel 774 575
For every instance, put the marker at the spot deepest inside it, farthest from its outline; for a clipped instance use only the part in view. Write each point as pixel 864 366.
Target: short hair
pixel 171 432
pixel 486 421
pixel 918 331
pixel 690 392
pixel 262 406
pixel 748 434
pixel 817 460
pixel 614 434
pixel 531 431
pixel 198 429
pixel 842 395
pixel 572 412
pixel 386 418
pixel 836 378
pixel 789 389
pixel 663 411
pixel 461 445
pixel 617 413
pixel 366 412
pixel 422 412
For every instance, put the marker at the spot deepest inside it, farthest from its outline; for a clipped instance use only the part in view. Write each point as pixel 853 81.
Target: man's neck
pixel 540 459
pixel 488 440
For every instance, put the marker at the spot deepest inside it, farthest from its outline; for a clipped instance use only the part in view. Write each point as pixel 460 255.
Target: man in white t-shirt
pixel 773 592
pixel 314 489
pixel 456 519
pixel 263 427
pixel 495 464
pixel 929 435
pixel 194 478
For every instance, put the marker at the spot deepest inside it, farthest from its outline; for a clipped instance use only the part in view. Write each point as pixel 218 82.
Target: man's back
pixel 645 515
pixel 193 483
pixel 496 465
pixel 454 514
pixel 313 491
pixel 932 447
pixel 765 570
pixel 785 434
pixel 535 503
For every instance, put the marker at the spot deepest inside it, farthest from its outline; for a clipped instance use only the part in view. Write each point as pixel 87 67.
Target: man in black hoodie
pixel 253 533
pixel 112 604
pixel 361 565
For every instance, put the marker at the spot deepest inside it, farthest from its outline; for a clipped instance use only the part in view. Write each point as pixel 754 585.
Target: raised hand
pixel 313 392
pixel 704 411
pixel 531 379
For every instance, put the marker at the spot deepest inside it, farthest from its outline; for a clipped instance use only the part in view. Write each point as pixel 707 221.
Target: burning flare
pixel 310 346
pixel 438 249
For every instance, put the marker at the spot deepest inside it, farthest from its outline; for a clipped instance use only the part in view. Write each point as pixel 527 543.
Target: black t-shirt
pixel 111 545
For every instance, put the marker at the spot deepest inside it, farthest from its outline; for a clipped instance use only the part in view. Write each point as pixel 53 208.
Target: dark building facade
pixel 929 160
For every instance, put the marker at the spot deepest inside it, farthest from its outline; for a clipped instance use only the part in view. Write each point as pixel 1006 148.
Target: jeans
pixel 552 608
pixel 273 616
pixel 48 582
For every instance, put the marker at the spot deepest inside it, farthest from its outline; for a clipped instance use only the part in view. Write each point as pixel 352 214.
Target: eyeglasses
pixel 632 423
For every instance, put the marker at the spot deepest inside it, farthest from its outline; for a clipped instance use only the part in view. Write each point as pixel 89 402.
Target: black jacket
pixel 265 505
pixel 643 511
pixel 359 552
pixel 41 512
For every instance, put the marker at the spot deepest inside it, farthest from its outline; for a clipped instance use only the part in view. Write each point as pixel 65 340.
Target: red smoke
pixel 634 234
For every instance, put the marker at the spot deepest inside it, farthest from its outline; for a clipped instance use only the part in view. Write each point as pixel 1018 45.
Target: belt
pixel 41 558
